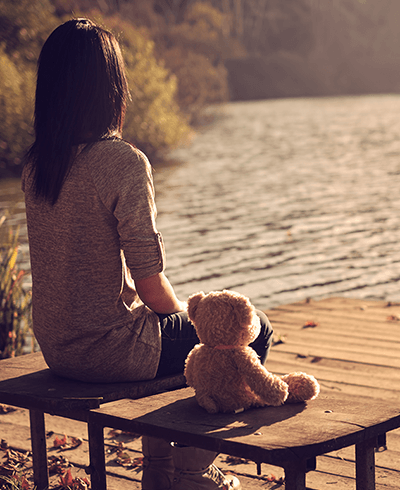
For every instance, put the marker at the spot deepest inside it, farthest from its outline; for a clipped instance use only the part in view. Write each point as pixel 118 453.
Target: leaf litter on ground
pixel 67 443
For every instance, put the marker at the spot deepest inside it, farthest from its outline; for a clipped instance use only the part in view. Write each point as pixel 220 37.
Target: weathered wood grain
pixel 271 435
pixel 27 382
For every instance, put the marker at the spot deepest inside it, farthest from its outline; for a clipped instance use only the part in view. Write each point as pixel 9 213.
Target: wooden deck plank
pixel 360 328
pixel 339 474
pixel 351 332
pixel 347 330
pixel 320 350
pixel 347 326
pixel 335 364
pixel 334 376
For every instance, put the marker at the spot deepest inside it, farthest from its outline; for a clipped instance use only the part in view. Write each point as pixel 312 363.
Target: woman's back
pixel 106 204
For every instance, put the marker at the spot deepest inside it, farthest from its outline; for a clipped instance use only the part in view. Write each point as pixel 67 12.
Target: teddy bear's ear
pixel 193 303
pixel 243 310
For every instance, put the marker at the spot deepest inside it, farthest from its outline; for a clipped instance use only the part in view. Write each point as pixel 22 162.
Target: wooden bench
pixel 26 382
pixel 291 436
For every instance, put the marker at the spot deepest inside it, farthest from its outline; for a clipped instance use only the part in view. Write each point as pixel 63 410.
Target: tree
pixel 24 26
pixel 153 120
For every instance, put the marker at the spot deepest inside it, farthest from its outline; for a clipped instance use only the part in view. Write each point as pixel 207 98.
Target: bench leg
pixel 97 457
pixel 295 475
pixel 365 465
pixel 39 450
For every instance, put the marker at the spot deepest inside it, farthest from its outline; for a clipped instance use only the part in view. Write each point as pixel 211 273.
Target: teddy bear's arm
pixel 271 388
pixel 190 366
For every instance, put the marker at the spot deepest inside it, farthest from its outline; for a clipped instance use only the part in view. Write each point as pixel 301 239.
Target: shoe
pixel 194 470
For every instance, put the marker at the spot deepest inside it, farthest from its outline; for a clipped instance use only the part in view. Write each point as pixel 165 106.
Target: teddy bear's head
pixel 223 318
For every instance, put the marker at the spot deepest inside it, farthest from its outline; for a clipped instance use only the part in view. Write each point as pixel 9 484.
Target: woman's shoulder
pixel 113 164
pixel 116 148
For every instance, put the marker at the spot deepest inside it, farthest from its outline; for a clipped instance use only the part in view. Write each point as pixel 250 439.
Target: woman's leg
pixel 263 342
pixel 178 337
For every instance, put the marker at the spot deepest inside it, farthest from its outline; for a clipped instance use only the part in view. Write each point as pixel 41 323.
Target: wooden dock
pixel 350 346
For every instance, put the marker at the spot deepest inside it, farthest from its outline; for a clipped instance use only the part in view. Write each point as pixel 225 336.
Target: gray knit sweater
pixel 86 252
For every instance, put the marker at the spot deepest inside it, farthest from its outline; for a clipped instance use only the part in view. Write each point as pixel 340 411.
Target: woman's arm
pixel 157 293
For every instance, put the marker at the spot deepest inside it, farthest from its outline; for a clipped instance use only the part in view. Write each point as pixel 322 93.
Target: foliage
pixel 16 108
pixel 194 52
pixel 15 302
pixel 153 120
pixel 190 39
pixel 24 25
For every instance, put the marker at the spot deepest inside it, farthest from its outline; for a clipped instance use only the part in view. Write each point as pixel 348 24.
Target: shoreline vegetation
pixel 182 56
pixel 15 300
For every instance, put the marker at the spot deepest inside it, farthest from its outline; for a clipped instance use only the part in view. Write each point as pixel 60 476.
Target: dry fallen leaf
pixel 15 462
pixel 67 443
pixel 281 339
pixel 316 359
pixel 81 484
pixel 66 480
pixel 235 460
pixel 57 465
pixel 6 408
pixel 127 461
pixel 69 483
pixel 114 433
pixel 60 442
pixel 310 324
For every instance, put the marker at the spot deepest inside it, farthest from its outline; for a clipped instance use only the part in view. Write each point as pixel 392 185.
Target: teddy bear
pixel 224 371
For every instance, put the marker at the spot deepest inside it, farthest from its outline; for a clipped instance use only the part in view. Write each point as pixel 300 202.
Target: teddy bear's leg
pixel 302 387
pixel 158 466
pixel 194 470
pixel 207 402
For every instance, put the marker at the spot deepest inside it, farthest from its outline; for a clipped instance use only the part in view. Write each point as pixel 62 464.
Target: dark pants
pixel 178 337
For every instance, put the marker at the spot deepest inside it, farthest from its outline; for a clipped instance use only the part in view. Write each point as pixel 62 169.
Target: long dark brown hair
pixel 81 97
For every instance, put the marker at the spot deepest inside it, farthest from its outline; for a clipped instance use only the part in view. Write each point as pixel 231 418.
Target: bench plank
pixel 27 382
pixel 274 435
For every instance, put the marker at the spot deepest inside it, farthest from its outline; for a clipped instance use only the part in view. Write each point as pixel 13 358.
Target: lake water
pixel 281 200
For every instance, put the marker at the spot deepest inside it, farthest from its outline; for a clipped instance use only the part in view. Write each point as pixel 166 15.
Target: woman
pixel 99 291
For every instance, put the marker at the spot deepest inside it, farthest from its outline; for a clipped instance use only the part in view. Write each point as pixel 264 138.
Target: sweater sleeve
pixel 124 181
